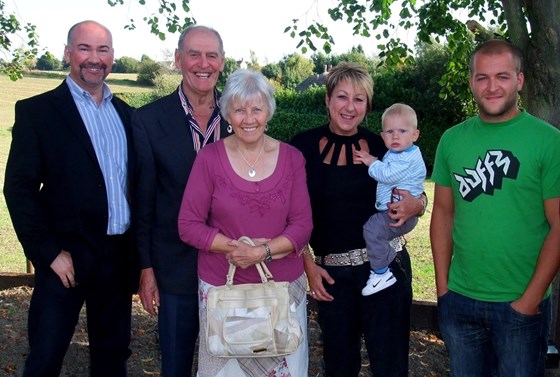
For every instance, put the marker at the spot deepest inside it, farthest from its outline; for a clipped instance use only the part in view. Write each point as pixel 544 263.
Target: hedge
pixel 297 112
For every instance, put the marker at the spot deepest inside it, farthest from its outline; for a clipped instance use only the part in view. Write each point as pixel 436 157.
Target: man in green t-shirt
pixel 495 226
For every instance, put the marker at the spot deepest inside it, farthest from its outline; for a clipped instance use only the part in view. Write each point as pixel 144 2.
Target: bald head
pixel 86 23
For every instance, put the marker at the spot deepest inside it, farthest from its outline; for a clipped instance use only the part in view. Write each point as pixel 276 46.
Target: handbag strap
pixel 262 268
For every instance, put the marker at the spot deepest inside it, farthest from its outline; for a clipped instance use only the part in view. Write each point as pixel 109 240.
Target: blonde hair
pixel 355 74
pixel 403 110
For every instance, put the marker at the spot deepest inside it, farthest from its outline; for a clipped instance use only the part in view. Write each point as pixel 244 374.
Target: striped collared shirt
pixel 212 133
pixel 108 137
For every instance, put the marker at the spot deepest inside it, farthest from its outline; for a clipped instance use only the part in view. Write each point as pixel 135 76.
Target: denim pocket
pixel 524 317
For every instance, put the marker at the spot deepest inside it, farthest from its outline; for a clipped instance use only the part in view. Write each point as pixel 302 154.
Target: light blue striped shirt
pixel 108 137
pixel 404 170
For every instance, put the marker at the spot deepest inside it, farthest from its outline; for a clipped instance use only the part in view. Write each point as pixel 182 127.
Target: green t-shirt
pixel 500 173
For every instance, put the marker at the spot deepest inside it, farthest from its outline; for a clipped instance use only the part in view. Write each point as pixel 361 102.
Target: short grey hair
pixel 192 28
pixel 243 86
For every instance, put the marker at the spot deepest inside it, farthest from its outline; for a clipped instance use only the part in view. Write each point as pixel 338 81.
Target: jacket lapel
pixel 67 109
pixel 176 128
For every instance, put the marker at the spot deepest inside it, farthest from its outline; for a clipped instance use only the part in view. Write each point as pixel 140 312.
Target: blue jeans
pixel 382 318
pixel 178 332
pixel 490 338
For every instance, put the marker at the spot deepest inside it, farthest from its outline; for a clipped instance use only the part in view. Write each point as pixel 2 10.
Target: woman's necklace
pixel 252 172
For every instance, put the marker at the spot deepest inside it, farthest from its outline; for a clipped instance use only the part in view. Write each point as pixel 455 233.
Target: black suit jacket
pixel 165 154
pixel 54 187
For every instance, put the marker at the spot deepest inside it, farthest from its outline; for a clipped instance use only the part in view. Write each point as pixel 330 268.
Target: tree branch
pixel 481 34
pixel 517 23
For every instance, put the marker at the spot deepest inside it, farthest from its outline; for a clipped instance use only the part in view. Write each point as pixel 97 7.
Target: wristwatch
pixel 268 257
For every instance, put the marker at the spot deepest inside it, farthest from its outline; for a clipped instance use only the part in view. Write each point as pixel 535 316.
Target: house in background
pixel 317 80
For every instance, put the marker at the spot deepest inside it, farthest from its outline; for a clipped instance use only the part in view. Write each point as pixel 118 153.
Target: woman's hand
pixel 405 208
pixel 245 255
pixel 315 275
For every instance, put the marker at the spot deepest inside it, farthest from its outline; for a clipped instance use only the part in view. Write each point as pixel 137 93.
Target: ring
pixel 313 293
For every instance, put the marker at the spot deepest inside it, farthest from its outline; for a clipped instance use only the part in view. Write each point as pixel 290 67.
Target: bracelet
pixel 268 257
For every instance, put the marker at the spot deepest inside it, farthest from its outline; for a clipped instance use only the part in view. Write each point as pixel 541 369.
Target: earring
pixel 229 129
pixel 266 127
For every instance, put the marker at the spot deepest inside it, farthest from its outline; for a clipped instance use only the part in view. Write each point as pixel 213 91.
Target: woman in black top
pixel 342 199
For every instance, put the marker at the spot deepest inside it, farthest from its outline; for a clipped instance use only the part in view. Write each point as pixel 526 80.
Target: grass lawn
pixel 418 246
pixel 11 254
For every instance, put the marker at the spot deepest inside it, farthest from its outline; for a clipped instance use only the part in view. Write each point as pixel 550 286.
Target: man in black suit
pixel 66 188
pixel 167 135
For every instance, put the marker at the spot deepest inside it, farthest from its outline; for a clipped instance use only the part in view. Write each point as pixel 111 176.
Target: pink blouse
pixel 216 199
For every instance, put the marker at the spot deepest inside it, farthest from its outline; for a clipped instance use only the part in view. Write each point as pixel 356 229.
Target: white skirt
pixel 293 365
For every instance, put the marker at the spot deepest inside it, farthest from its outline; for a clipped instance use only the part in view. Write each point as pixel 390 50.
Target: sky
pixel 245 25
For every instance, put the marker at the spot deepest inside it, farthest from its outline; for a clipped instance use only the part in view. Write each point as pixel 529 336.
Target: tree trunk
pixel 541 49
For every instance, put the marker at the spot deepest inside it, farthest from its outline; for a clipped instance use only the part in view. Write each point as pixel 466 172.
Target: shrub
pixel 126 64
pixel 148 70
pixel 137 99
pixel 166 83
pixel 47 62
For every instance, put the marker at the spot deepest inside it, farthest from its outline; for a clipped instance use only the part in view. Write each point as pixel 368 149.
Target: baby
pixel 402 168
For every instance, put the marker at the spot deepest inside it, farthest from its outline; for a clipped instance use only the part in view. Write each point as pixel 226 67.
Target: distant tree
pixel 321 61
pixel 65 64
pixel 253 63
pixel 48 62
pixel 168 55
pixel 16 59
pixel 148 70
pixel 355 55
pixel 272 71
pixel 145 57
pixel 295 69
pixel 125 64
pixel 230 66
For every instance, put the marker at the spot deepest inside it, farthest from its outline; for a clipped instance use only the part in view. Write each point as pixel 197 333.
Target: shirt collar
pixel 189 108
pixel 79 92
pixel 405 150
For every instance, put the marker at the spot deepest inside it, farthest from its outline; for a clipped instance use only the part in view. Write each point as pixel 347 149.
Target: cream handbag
pixel 251 320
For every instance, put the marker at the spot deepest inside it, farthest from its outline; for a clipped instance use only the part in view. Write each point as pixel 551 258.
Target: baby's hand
pixel 364 157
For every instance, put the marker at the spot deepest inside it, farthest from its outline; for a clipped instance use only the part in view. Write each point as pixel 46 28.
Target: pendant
pixel 252 173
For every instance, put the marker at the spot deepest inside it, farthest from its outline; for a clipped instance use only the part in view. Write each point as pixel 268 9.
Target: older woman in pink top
pixel 248 184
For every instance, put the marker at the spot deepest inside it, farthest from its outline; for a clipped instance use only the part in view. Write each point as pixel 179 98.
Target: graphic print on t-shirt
pixel 488 174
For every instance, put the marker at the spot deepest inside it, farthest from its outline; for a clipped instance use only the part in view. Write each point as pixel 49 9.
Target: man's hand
pixel 63 266
pixel 404 208
pixel 148 291
pixel 524 307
